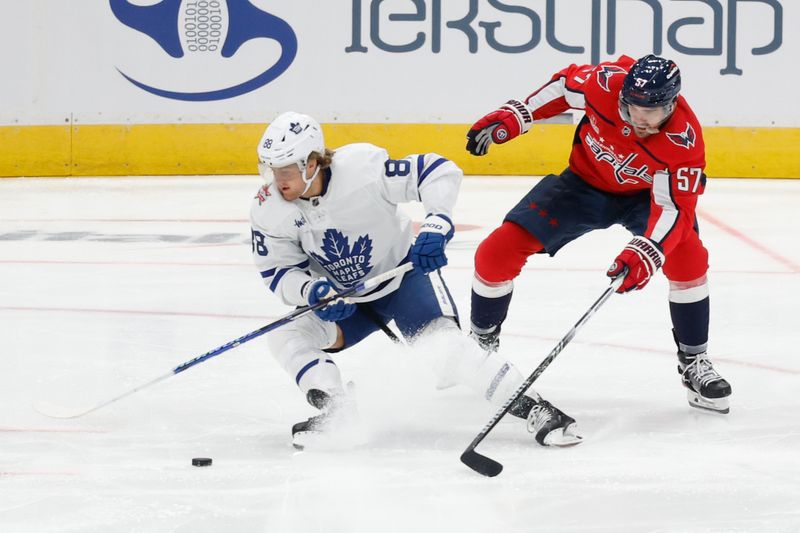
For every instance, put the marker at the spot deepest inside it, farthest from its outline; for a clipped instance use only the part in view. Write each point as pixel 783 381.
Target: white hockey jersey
pixel 353 230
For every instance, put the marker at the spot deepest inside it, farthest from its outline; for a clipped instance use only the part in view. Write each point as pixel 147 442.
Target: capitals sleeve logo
pixel 604 74
pixel 685 139
pixel 346 265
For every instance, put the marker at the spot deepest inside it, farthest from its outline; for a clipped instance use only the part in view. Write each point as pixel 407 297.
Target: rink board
pixel 180 149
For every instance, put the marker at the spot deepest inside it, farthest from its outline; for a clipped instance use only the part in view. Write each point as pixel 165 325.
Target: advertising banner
pixel 124 86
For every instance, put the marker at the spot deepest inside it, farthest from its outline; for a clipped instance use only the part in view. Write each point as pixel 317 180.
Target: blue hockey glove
pixel 321 288
pixel 427 253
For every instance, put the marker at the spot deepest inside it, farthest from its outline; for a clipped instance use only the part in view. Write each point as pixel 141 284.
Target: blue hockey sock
pixel 690 325
pixel 488 313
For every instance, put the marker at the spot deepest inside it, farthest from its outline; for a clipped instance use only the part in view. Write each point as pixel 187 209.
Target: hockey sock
pixel 489 305
pixel 690 325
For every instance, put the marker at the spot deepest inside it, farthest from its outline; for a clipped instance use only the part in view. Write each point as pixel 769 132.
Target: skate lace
pixel 489 342
pixel 702 371
pixel 539 416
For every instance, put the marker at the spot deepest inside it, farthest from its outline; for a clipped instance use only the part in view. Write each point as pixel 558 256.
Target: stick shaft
pixel 294 315
pixel 543 365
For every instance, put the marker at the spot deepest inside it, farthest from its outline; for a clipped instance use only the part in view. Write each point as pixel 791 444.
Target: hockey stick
pixel 54 411
pixel 489 467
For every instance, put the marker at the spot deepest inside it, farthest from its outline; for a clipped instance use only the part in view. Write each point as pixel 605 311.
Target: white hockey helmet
pixel 290 139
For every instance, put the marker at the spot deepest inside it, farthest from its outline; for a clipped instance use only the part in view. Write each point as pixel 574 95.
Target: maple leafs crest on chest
pixel 345 264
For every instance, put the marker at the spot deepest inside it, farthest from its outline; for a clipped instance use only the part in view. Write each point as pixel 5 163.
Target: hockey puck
pixel 201 461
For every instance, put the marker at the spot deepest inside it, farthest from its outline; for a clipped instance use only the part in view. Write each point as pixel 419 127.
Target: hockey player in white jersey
pixel 326 220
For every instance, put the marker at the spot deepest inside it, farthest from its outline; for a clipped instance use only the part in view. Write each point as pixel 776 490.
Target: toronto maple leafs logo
pixel 605 73
pixel 295 128
pixel 685 139
pixel 346 265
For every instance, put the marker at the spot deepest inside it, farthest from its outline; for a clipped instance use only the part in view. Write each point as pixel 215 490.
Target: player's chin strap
pixel 309 181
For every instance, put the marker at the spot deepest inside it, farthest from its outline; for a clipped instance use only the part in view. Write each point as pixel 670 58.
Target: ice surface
pixel 106 284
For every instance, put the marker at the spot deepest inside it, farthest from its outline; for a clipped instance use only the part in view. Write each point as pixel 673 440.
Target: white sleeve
pixel 554 95
pixel 429 178
pixel 281 262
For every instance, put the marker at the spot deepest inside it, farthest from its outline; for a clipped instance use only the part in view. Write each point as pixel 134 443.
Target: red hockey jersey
pixel 608 155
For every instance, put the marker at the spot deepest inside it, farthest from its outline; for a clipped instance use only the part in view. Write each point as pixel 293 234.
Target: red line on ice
pixel 730 230
pixel 655 351
pixel 131 312
pixel 50 430
pixel 38 474
pixel 248 265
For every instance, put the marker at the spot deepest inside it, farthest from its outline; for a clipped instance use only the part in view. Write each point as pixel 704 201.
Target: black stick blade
pixel 481 464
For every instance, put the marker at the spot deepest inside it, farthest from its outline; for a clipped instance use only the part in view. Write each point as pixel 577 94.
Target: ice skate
pixel 706 388
pixel 489 342
pixel 333 427
pixel 551 426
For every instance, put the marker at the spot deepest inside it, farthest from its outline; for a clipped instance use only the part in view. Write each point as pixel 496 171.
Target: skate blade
pixel 563 437
pixel 348 439
pixel 715 405
pixel 444 384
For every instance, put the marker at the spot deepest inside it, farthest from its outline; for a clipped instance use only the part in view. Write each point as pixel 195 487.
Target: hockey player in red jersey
pixel 638 160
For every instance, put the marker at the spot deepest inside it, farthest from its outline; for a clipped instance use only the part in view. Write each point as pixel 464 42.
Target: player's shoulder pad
pixel 625 61
pixel 609 75
pixel 682 136
pixel 268 208
pixel 358 163
pixel 358 153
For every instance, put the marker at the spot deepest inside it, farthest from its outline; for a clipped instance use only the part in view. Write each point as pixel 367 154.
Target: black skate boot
pixel 335 426
pixel 489 341
pixel 706 388
pixel 550 426
pixel 336 411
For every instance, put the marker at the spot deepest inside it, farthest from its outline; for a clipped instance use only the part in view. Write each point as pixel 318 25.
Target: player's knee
pixel 298 348
pixel 686 292
pixel 301 337
pixel 687 262
pixel 439 325
pixel 501 256
pixel 319 372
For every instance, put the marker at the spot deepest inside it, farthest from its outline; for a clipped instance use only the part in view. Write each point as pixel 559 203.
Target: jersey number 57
pixel 689 179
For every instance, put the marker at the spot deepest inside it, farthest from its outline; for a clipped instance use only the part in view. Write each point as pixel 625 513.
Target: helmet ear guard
pixel 290 139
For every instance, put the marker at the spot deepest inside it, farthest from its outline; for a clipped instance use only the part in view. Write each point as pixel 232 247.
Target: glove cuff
pixel 649 250
pixel 438 224
pixel 308 288
pixel 522 112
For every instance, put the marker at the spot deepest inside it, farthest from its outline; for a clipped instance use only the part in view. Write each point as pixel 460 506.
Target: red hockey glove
pixel 642 257
pixel 499 126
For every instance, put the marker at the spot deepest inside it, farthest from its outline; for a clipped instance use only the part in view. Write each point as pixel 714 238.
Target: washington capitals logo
pixel 685 139
pixel 210 31
pixel 346 265
pixel 605 73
